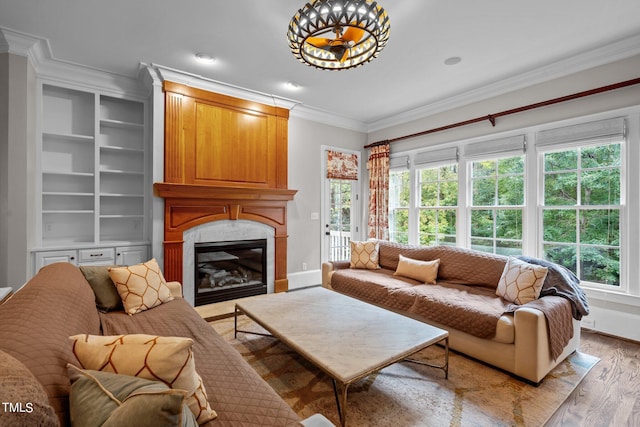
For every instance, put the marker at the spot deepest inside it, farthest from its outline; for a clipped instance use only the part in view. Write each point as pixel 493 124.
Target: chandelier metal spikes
pixel 338 34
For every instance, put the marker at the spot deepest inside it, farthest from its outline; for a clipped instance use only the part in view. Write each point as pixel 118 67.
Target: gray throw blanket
pixel 563 283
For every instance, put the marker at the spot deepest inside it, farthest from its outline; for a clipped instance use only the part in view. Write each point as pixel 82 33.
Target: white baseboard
pixel 303 279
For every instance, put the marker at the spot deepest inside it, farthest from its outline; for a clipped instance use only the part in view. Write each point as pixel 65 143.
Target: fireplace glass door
pixel 230 270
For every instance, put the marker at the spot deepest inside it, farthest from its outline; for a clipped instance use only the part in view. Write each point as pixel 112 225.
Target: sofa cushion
pixel 365 254
pixel 107 399
pixel 167 359
pixel 20 388
pixel 107 297
pixel 457 265
pixel 141 286
pixel 236 391
pixel 423 271
pixel 521 282
pixel 375 286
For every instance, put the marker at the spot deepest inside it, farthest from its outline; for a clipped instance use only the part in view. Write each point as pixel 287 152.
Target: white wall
pixel 306 139
pixel 17 121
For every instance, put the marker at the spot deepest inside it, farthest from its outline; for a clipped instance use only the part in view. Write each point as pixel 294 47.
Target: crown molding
pixel 616 51
pixel 160 73
pixel 47 67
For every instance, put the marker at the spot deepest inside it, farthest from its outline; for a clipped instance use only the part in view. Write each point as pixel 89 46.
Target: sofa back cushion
pixel 457 265
pixel 37 322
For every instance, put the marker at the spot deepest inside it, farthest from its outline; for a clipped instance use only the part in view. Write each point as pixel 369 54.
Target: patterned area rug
pixel 407 394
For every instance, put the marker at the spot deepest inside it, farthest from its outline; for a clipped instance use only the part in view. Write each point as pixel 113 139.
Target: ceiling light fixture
pixel 338 34
pixel 205 58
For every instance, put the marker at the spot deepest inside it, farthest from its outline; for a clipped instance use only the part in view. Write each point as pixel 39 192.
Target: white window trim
pixel 630 198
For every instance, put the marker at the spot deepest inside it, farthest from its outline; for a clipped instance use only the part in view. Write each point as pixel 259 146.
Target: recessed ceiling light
pixel 205 58
pixel 292 86
pixel 453 60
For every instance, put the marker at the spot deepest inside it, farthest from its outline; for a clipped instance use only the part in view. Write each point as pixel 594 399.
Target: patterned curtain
pixel 378 166
pixel 342 165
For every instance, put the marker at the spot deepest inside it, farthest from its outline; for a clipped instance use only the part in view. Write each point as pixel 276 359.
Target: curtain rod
pixel 492 117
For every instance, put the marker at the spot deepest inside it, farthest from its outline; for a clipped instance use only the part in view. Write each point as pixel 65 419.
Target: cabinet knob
pixel 72 257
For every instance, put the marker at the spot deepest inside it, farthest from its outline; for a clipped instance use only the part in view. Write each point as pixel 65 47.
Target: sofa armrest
pixel 327 271
pixel 175 288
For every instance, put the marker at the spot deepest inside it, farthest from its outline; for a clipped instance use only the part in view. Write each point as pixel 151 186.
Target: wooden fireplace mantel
pixel 187 206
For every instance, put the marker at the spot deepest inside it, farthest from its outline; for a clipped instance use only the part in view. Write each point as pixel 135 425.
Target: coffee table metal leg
pixel 444 366
pixel 341 402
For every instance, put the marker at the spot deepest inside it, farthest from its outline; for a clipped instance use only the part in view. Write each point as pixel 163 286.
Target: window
pixel 497 190
pixel 438 205
pixel 399 196
pixel 581 212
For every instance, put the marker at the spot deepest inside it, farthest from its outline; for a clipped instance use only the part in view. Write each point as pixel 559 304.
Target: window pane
pixel 486 168
pixel 509 224
pixel 484 192
pixel 562 161
pixel 508 248
pixel 427 227
pixel 600 227
pixel 483 245
pixel 600 265
pixel 601 187
pixel 559 225
pixel 482 223
pixel 601 156
pixel 510 190
pixel 429 175
pixel 511 165
pixel 399 191
pixel 399 194
pixel 561 189
pixel 429 194
pixel 449 193
pixel 564 255
pixel 447 222
pixel 399 225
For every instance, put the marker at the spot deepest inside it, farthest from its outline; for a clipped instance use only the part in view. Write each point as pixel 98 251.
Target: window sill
pixel 612 296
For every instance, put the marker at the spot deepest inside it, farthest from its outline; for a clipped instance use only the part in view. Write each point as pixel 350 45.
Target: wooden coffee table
pixel 346 338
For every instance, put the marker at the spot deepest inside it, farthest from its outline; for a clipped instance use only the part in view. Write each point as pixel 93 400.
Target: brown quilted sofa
pixel 58 302
pixel 527 341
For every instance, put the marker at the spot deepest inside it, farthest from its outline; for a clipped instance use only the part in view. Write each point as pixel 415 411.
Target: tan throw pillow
pixel 166 359
pixel 140 286
pixel 521 282
pixel 365 254
pixel 423 271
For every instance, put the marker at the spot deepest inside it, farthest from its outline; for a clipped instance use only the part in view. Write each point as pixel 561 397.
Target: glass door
pixel 339 213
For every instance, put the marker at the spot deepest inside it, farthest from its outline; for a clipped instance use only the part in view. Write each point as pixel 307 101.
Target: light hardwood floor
pixel 610 394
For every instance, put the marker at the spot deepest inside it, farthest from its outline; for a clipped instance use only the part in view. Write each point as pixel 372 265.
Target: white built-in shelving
pixel 93 171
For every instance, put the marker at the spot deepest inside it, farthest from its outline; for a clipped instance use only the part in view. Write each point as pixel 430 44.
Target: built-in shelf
pixel 93 168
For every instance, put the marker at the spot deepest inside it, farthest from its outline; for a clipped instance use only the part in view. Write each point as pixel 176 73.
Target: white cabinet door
pixel 51 257
pixel 130 255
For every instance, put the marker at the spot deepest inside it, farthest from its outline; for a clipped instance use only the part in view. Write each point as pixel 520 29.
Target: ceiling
pixel 496 39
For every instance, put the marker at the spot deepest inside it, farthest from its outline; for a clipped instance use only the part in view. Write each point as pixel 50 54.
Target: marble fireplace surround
pixel 188 208
pixel 224 231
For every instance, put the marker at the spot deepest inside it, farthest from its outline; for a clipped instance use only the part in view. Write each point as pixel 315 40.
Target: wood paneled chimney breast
pixel 225 158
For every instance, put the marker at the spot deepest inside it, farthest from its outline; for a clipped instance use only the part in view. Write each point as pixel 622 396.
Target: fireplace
pixel 229 270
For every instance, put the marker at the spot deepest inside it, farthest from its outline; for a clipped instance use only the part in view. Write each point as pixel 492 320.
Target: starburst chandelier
pixel 338 34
